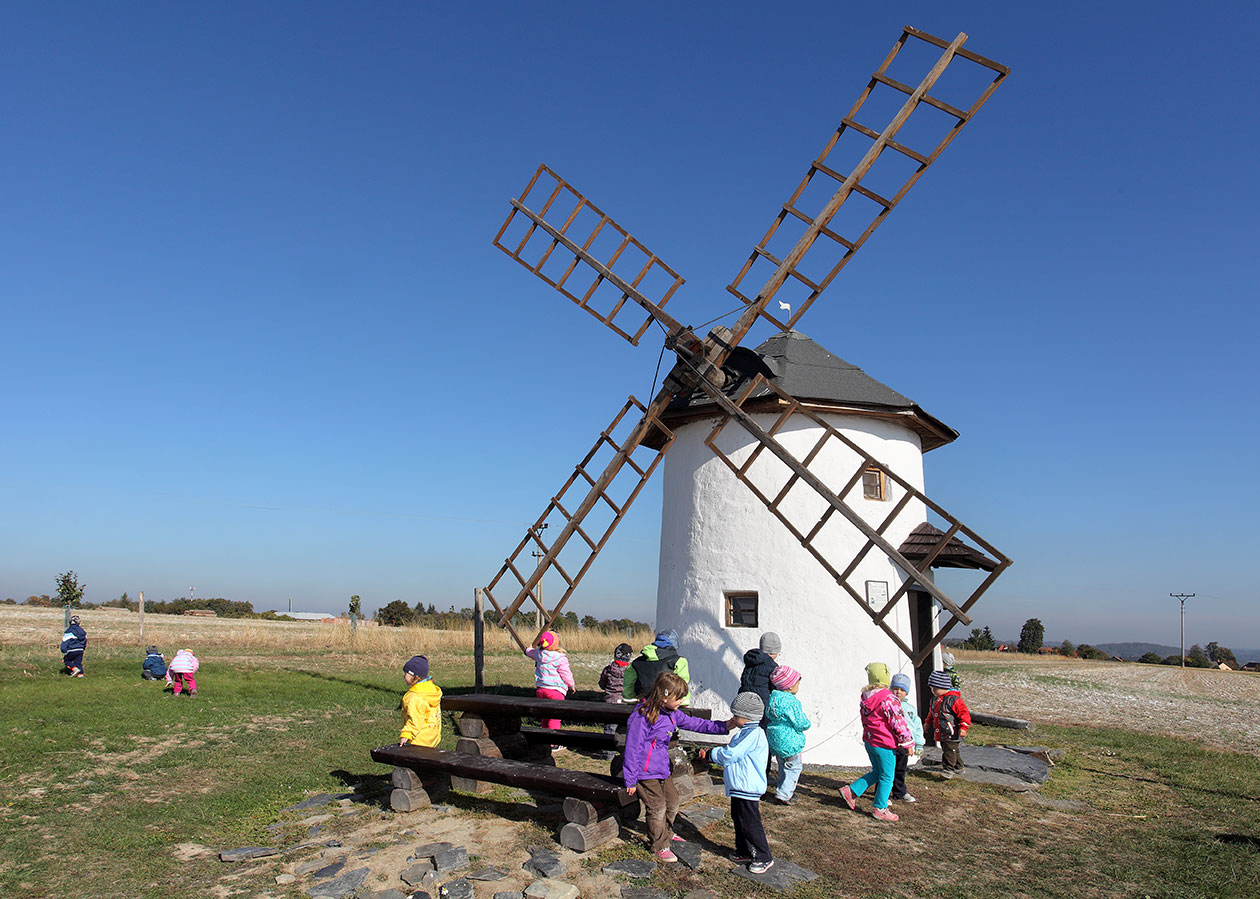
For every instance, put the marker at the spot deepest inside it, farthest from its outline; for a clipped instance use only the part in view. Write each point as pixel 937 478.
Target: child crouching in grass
pixel 744 761
pixel 646 767
pixel 421 706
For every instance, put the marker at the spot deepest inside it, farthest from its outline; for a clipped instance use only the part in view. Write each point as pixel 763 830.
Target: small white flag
pixel 786 307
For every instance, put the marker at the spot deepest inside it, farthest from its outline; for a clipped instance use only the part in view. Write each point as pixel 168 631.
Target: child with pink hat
pixel 786 723
pixel 552 677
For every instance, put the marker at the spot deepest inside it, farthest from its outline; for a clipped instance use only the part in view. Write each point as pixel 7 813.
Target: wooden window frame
pixel 730 595
pixel 881 485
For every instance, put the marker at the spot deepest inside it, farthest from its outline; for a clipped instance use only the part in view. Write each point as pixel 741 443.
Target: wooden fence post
pixel 479 641
pixel 142 618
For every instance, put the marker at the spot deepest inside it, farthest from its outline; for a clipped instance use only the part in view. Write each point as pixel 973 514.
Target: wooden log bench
pixel 594 803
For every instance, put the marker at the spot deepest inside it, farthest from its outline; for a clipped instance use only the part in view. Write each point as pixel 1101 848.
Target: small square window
pixel 874 485
pixel 741 609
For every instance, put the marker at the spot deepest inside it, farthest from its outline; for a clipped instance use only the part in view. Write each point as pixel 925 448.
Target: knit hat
pixel 771 644
pixel 939 680
pixel 783 677
pixel 74 619
pixel 748 706
pixel 877 674
pixel 417 666
pixel 666 638
pixel 547 639
pixel 623 652
pixel 900 682
pixel 152 650
pixel 947 659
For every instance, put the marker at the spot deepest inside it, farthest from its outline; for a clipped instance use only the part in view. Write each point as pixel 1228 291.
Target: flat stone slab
pixel 450 859
pixel 545 865
pixel 343 886
pixel 992 759
pixel 457 889
pixel 700 815
pixel 332 869
pixel 490 872
pixel 428 850
pixel 509 894
pixel 414 874
pixel 688 854
pixel 313 820
pixel 245 853
pixel 631 867
pixel 784 876
pixel 551 889
pixel 321 799
pixel 387 894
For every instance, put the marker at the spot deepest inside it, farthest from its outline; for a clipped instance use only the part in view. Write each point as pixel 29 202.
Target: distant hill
pixel 1137 650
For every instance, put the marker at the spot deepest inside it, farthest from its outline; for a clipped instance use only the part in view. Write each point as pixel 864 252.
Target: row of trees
pixel 398 614
pixel 1196 657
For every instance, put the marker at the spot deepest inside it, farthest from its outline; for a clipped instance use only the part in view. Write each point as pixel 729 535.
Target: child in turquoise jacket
pixel 744 762
pixel 786 724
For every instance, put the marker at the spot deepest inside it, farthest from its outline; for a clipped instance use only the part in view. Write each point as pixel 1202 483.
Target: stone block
pixel 457 889
pixel 551 889
pixel 245 853
pixel 345 885
pixel 545 865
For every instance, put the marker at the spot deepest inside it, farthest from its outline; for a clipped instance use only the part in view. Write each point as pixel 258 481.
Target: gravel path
pixel 1218 707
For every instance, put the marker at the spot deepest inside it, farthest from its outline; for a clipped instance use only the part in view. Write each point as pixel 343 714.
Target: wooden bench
pixel 593 803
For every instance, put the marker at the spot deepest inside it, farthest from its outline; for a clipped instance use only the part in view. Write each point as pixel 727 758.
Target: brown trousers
pixel 951 755
pixel 660 807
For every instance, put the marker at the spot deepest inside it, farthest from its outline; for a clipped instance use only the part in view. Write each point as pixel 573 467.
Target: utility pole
pixel 1183 597
pixel 538 554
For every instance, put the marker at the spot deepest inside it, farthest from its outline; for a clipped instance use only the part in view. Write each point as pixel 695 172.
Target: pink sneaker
pixel 848 796
pixel 666 855
pixel 675 838
pixel 884 814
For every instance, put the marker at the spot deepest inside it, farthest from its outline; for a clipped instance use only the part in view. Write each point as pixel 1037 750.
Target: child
pixel 612 681
pixel 154 664
pixel 901 689
pixel 552 677
pixel 759 664
pixel 883 730
pixel 744 761
pixel 948 721
pixel 646 769
pixel 73 645
pixel 947 663
pixel 421 706
pixel 659 655
pixel 179 673
pixel 785 729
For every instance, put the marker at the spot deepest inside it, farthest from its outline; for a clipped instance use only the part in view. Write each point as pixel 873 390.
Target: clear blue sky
pixel 256 339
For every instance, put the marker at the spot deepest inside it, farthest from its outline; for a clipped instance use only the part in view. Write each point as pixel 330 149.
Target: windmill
pixel 564 239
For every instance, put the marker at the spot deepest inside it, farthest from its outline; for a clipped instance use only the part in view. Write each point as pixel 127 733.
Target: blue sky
pixel 257 340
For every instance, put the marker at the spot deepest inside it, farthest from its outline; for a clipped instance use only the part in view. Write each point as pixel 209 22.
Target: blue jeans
pixel 883 766
pixel 789 774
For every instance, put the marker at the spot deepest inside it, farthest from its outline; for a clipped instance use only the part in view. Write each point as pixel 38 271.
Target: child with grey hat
pixel 744 761
pixel 759 664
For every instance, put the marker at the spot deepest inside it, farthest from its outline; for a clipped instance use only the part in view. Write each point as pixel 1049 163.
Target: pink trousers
pixel 187 680
pixel 545 693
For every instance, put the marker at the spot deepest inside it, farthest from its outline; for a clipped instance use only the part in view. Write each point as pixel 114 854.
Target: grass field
pixel 109 787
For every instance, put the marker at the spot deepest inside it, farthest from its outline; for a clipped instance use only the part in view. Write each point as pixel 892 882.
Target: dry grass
pixel 118 628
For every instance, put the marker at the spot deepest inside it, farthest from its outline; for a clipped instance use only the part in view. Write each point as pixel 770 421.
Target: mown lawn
pixel 102 779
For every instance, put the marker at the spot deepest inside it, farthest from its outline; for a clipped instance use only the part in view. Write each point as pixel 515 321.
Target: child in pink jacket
pixel 553 678
pixel 179 673
pixel 884 729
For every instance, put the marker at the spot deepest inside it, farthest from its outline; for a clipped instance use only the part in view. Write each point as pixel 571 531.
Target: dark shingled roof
pixel 808 372
pixel 956 554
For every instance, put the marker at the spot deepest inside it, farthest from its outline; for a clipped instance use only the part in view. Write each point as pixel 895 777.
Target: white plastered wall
pixel 717 536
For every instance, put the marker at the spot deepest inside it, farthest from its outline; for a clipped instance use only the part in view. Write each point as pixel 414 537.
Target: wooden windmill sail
pixel 563 238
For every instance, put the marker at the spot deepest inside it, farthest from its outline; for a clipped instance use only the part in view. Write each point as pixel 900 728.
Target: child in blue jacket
pixel 744 762
pixel 646 766
pixel 154 667
pixel 73 645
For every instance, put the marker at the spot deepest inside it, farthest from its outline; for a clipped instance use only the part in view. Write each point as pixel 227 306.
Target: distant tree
pixel 395 613
pixel 1066 648
pixel 356 606
pixel 590 622
pixel 1031 635
pixel 1085 651
pixel 69 590
pixel 1218 654
pixel 1172 660
pixel 1151 658
pixel 432 610
pixel 1197 658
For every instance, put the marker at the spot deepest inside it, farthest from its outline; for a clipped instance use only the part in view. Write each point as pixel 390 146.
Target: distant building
pixel 326 617
pixel 1251 666
pixel 202 613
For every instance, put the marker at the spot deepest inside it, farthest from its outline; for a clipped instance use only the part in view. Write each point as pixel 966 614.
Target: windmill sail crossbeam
pixel 526 587
pixel 619 260
pixel 916 575
pixel 851 183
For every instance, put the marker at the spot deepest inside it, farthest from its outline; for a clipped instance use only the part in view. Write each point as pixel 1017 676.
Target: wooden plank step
pixel 575 739
pixel 490 705
pixel 595 788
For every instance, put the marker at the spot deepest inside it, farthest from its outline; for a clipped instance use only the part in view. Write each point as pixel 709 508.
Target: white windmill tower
pixel 801 461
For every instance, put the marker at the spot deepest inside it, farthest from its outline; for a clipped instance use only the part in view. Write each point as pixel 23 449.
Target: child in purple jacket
pixel 646 769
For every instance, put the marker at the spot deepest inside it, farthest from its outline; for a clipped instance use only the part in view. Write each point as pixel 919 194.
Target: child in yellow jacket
pixel 421 705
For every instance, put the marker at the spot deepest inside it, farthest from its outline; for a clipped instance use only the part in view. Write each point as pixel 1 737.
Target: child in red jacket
pixel 948 721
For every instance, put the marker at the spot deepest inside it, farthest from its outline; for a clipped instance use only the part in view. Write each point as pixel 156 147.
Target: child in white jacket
pixel 179 673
